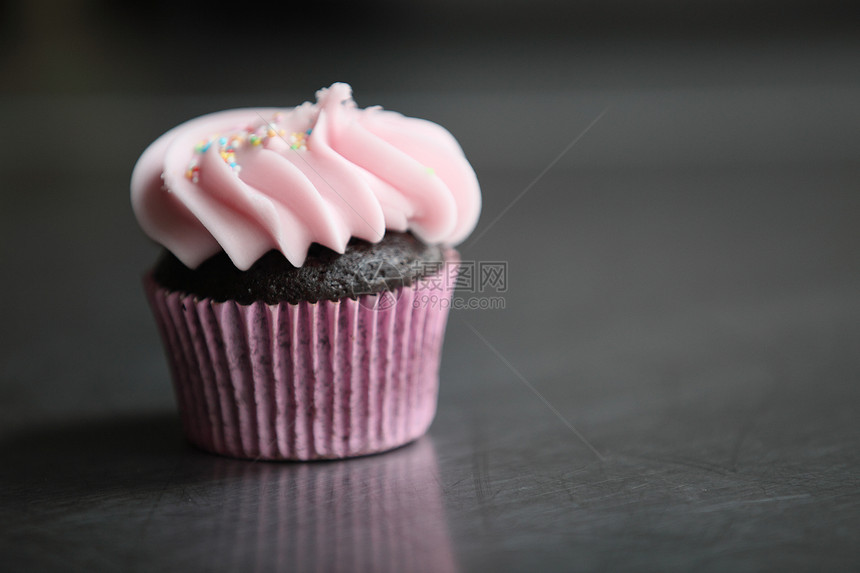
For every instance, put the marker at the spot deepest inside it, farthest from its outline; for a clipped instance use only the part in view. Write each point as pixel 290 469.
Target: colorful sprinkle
pixel 298 140
pixel 430 170
pixel 255 136
pixel 193 173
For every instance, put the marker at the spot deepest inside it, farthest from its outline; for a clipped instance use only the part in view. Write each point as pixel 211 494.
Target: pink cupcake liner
pixel 331 379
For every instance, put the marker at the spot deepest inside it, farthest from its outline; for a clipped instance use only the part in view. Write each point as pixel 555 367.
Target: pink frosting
pixel 251 180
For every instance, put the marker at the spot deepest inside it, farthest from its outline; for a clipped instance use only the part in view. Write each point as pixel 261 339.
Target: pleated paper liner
pixel 330 379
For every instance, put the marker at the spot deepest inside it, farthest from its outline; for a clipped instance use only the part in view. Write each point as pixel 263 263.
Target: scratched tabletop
pixel 659 369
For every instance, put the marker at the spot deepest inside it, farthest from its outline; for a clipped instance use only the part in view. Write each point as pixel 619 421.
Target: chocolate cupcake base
pixel 306 380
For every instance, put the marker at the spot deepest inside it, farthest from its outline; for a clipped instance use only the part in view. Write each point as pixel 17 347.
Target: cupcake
pixel 302 250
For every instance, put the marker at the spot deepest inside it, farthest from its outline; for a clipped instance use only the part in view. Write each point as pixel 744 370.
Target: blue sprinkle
pixel 205 147
pixel 223 141
pixel 309 131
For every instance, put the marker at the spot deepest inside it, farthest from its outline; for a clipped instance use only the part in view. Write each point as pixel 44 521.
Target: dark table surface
pixel 673 382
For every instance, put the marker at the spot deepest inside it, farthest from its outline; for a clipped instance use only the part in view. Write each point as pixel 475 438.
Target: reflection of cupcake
pixel 363 515
pixel 300 245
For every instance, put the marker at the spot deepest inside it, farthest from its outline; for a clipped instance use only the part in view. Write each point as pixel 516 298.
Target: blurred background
pixel 674 186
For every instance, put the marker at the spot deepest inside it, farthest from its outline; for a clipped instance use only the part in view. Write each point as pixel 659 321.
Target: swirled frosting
pixel 251 180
